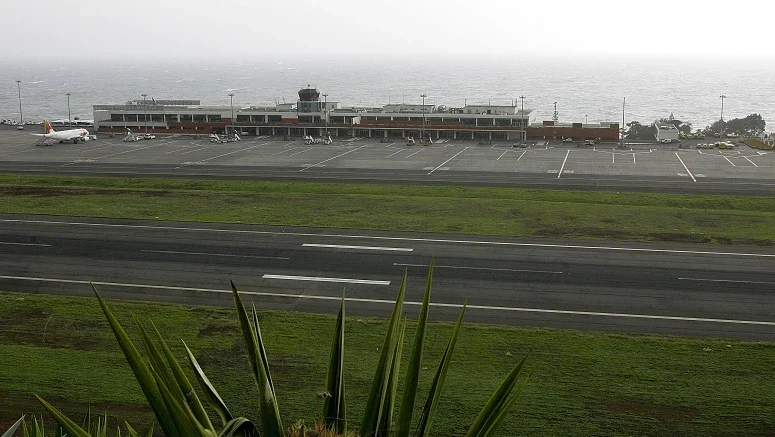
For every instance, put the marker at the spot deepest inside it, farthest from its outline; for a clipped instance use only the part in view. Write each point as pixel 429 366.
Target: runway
pixel 618 287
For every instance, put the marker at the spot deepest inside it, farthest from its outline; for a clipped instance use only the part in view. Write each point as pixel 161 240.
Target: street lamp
pixel 422 131
pixel 586 120
pixel 325 111
pixel 624 101
pixel 522 118
pixel 69 122
pixel 555 117
pixel 231 103
pixel 21 115
pixel 722 97
pixel 145 113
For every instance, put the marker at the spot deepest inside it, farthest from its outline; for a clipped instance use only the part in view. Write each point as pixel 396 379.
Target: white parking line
pixel 323 279
pixel 286 150
pixel 499 158
pixel 391 302
pixel 339 246
pixel 407 157
pixel 520 156
pixel 386 238
pixel 731 281
pixel 329 159
pixel 438 266
pixel 395 153
pixel 450 159
pixel 298 153
pixel 563 164
pixel 730 161
pixel 746 158
pixel 687 168
pixel 214 254
pixel 125 151
pixel 11 243
pixel 231 153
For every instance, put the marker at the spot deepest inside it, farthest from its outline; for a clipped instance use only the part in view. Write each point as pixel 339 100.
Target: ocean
pixel 590 87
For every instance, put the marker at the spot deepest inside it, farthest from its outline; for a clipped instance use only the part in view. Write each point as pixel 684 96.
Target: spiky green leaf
pixel 9 432
pixel 378 394
pixel 415 363
pixel 71 427
pixel 490 418
pixel 271 425
pixel 334 409
pixel 239 426
pixel 211 394
pixel 141 371
pixel 429 409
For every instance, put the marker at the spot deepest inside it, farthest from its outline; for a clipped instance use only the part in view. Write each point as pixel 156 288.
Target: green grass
pixel 712 219
pixel 583 383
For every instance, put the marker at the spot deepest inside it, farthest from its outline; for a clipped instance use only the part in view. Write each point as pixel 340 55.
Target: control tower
pixel 309 100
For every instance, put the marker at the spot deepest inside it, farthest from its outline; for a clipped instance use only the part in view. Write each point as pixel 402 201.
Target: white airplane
pixel 74 135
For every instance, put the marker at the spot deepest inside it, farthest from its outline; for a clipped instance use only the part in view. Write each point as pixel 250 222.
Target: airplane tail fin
pixel 47 127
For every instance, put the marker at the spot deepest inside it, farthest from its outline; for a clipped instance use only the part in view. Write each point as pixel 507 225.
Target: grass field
pixel 583 383
pixel 744 220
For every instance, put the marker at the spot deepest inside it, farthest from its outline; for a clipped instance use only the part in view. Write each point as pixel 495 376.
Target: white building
pixel 666 132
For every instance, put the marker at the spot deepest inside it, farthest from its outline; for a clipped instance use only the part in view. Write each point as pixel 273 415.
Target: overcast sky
pixel 198 28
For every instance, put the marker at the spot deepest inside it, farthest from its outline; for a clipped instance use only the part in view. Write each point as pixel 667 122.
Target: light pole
pixel 555 117
pixel 422 131
pixel 586 120
pixel 624 100
pixel 231 103
pixel 21 114
pixel 145 112
pixel 69 122
pixel 722 97
pixel 522 118
pixel 325 111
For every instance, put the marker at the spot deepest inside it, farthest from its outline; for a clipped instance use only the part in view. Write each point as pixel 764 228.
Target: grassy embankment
pixel 746 220
pixel 583 383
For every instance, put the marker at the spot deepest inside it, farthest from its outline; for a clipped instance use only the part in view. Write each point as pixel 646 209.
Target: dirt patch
pixel 680 238
pixel 211 330
pixel 653 411
pixel 62 191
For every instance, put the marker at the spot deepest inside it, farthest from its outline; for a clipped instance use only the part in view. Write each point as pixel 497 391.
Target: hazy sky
pixel 177 28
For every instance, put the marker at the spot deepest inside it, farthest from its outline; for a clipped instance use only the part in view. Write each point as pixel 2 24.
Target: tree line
pixel 751 125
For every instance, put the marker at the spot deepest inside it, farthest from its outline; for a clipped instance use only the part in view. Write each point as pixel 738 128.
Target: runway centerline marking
pixel 213 254
pixel 11 243
pixel 340 246
pixel 731 281
pixel 687 168
pixel 437 266
pixel 329 159
pixel 563 164
pixel 386 238
pixel 392 302
pixel 323 279
pixel 450 159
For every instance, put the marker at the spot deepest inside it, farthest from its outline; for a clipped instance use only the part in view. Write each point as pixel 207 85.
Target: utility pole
pixel 522 119
pixel 21 114
pixel 69 120
pixel 555 117
pixel 722 97
pixel 624 100
pixel 422 132
pixel 325 110
pixel 231 103
pixel 145 115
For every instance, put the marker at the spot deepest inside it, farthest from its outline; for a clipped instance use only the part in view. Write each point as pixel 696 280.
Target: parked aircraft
pixel 74 135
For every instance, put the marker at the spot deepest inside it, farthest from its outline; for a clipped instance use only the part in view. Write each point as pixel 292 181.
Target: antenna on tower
pixel 555 117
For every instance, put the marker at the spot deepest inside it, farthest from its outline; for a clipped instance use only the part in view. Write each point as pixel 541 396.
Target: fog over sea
pixel 582 86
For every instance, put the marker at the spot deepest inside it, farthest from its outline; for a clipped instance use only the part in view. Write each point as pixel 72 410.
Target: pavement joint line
pixel 392 302
pixel 329 159
pixel 732 281
pixel 438 266
pixel 324 279
pixel 450 159
pixel 174 252
pixel 563 164
pixel 687 168
pixel 386 238
pixel 340 246
pixel 11 243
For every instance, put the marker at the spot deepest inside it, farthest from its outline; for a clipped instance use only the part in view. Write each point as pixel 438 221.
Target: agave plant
pixel 9 432
pixel 180 412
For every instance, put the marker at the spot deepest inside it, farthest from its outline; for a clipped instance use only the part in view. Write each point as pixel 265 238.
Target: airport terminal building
pixel 313 117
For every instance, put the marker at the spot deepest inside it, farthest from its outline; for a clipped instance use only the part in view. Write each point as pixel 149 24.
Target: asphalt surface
pixel 539 164
pixel 620 287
